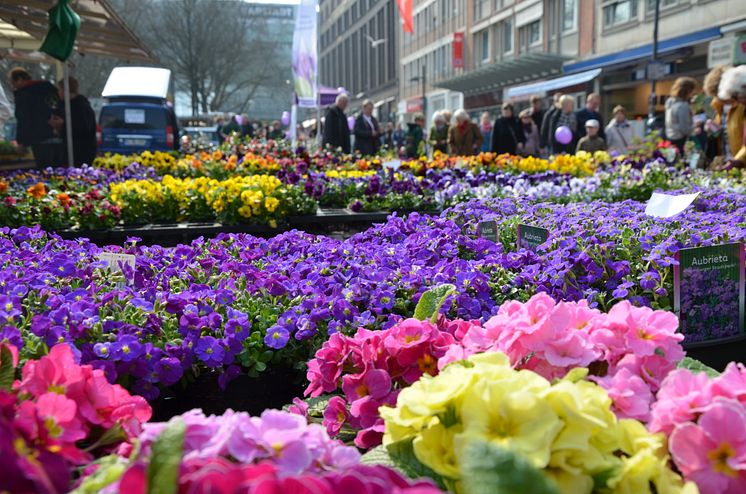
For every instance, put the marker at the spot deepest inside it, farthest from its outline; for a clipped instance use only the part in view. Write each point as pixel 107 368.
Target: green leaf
pixel 402 453
pixel 431 301
pixel 167 450
pixel 490 469
pixel 110 469
pixel 378 456
pixel 7 371
pixel 697 366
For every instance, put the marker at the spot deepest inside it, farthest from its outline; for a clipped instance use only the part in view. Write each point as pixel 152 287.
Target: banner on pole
pixel 305 56
pixel 458 50
pixel 405 12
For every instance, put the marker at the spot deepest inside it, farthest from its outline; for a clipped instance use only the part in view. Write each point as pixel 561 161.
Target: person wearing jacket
pixel 83 120
pixel 732 89
pixel 565 117
pixel 336 130
pixel 591 141
pixel 35 101
pixel 464 138
pixel 545 137
pixel 679 123
pixel 507 132
pixel 5 111
pixel 619 132
pixel 415 137
pixel 592 104
pixel 485 126
pixel 530 132
pixel 438 137
pixel 367 131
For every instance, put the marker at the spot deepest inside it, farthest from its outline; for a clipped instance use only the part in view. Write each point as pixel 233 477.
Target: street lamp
pixel 654 70
pixel 423 79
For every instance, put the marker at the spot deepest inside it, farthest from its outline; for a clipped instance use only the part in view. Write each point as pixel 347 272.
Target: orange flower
pixel 3 186
pixel 37 191
pixel 64 199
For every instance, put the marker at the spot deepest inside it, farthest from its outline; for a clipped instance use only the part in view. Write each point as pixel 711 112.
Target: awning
pixel 24 23
pixel 526 67
pixel 645 51
pixel 541 87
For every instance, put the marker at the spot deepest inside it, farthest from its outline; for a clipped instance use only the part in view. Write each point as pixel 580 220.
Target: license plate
pixel 135 142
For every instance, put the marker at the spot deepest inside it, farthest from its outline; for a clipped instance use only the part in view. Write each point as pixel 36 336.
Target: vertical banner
pixel 405 12
pixel 305 56
pixel 458 50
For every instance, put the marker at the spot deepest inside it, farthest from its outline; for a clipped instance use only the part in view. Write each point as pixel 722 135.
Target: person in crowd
pixel 545 131
pixel 220 124
pixel 464 138
pixel 732 89
pixel 35 102
pixel 336 131
pixel 234 125
pixel 531 133
pixel 592 140
pixel 387 138
pixel 247 129
pixel 367 131
pixel 537 112
pixel 715 123
pixel 438 137
pixel 5 111
pixel 485 127
pixel 592 105
pixel 415 137
pixel 619 132
pixel 565 117
pixel 679 123
pixel 448 116
pixel 276 133
pixel 399 136
pixel 507 132
pixel 83 120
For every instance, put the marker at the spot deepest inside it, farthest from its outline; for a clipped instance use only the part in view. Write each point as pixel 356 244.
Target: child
pixel 592 142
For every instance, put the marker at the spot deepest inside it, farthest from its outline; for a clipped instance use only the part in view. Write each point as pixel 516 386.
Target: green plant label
pixel 530 237
pixel 709 293
pixel 488 230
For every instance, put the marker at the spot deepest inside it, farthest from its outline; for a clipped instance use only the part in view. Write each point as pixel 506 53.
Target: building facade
pixel 359 51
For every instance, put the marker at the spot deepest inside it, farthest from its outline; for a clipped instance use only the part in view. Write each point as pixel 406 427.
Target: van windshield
pixel 133 118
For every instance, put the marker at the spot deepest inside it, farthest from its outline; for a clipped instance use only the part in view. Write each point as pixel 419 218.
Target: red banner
pixel 405 12
pixel 458 50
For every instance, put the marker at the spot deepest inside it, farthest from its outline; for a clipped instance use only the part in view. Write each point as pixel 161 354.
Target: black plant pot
pixel 272 389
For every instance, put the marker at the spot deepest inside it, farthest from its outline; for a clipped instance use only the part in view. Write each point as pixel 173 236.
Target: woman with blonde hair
pixel 565 117
pixel 732 89
pixel 716 144
pixel 679 122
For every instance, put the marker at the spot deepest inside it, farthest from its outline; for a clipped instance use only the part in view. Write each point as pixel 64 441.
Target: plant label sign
pixel 115 260
pixel 709 293
pixel 488 230
pixel 530 237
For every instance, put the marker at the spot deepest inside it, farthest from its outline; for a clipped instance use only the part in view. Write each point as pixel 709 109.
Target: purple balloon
pixel 285 118
pixel 351 122
pixel 563 135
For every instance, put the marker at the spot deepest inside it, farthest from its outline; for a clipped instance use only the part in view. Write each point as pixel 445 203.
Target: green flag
pixel 64 25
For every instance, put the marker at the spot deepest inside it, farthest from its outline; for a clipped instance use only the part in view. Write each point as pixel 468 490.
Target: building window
pixel 529 35
pixel 507 36
pixel 484 45
pixel 481 9
pixel 664 4
pixel 569 10
pixel 620 12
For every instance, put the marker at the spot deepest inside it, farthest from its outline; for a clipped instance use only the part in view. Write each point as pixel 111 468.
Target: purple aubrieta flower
pixel 127 348
pixel 102 350
pixel 277 337
pixel 210 351
pixel 649 280
pixel 168 371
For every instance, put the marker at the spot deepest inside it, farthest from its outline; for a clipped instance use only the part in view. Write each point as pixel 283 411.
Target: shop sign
pixel 709 293
pixel 414 105
pixel 739 57
pixel 530 237
pixel 458 50
pixel 488 230
pixel 720 52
